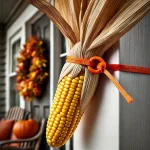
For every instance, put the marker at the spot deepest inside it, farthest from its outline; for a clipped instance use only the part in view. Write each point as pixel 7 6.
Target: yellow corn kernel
pixel 68 79
pixel 65 107
pixel 65 113
pixel 63 119
pixel 78 89
pixel 82 78
pixel 74 81
pixel 64 93
pixel 65 89
pixel 80 85
pixel 67 82
pixel 72 90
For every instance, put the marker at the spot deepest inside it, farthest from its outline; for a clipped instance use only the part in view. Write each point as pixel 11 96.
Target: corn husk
pixel 91 27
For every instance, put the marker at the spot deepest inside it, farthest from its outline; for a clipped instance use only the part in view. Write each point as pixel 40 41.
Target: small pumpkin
pixel 25 128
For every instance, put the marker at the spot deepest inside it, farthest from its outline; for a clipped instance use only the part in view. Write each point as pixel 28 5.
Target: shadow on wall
pixel 92 113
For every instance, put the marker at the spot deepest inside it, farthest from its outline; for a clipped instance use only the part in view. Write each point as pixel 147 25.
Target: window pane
pixel 15 54
pixel 63 60
pixel 63 43
pixel 63 50
pixel 14 95
pixel 61 148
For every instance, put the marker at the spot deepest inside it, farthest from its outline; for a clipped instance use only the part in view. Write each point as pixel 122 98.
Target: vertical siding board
pixel 134 118
pixel 2 71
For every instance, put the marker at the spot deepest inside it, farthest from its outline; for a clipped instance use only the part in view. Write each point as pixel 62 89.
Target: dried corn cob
pixel 65 111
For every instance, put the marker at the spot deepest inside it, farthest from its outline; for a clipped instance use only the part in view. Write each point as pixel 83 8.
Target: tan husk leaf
pixel 99 17
pixel 84 5
pixel 56 17
pixel 92 26
pixel 121 23
pixel 66 7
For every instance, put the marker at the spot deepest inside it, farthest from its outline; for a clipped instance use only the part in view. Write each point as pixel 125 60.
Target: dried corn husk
pixel 91 27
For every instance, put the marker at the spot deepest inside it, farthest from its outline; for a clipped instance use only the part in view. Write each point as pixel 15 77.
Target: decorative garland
pixel 31 69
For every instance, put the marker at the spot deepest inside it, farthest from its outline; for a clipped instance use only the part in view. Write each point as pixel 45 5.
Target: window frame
pixel 13 40
pixel 14 37
pixel 12 74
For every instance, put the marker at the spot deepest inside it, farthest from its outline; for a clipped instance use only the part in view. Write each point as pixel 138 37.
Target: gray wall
pixel 2 70
pixel 135 118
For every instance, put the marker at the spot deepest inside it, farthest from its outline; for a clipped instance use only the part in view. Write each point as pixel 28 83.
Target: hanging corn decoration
pixel 90 27
pixel 65 111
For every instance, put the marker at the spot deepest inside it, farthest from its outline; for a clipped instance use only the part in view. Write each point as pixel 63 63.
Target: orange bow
pixel 97 65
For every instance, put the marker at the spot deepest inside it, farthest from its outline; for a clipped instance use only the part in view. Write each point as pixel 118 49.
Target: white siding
pixel 2 71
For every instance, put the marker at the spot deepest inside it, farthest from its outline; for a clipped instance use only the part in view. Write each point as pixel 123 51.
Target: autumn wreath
pixel 31 69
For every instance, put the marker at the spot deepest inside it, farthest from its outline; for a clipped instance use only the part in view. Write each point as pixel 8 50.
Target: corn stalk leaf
pixel 55 16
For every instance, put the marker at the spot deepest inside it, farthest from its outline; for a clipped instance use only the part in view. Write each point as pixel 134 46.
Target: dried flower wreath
pixel 31 69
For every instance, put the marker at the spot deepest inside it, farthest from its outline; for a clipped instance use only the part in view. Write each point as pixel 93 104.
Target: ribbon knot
pixel 97 65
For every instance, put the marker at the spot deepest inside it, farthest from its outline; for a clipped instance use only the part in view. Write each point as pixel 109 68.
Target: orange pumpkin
pixel 25 128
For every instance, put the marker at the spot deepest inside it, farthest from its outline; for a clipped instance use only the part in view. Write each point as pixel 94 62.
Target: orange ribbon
pixel 126 68
pixel 97 65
